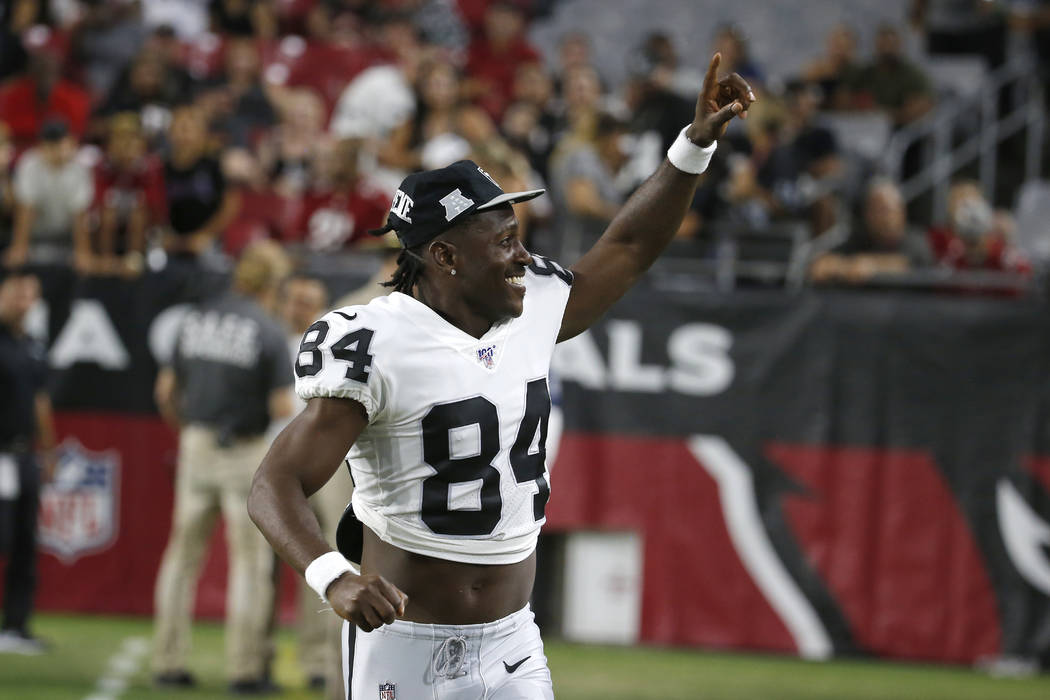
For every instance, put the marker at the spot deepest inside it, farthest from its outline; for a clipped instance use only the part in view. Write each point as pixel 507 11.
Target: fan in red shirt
pixel 129 197
pixel 494 57
pixel 27 102
pixel 973 238
pixel 341 208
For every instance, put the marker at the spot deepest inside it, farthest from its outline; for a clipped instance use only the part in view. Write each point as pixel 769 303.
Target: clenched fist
pixel 369 601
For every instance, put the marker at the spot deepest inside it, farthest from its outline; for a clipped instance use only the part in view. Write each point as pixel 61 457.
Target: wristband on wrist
pixel 325 569
pixel 688 157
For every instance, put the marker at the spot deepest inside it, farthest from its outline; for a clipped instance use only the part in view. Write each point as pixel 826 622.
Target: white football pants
pixel 501 660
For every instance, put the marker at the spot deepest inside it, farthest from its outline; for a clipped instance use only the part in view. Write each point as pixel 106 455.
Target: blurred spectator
pixel 244 18
pixel 52 194
pixel 200 206
pixel 731 42
pixel 344 205
pixel 129 197
pixel 496 54
pixel 574 51
pixel 440 23
pixel 657 59
pixel 264 212
pixel 655 102
pixel 104 41
pixel 883 244
pixel 25 425
pixel 16 17
pixel 337 21
pixel 439 97
pixel 583 98
pixel 288 152
pixel 26 102
pixel 584 186
pixel 962 27
pixel 227 380
pixel 974 238
pixel 530 122
pixel 803 172
pixel 150 86
pixel 836 70
pixel 238 102
pixel 891 82
pixel 379 104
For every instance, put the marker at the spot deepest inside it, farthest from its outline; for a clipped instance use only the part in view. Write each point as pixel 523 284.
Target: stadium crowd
pixel 135 132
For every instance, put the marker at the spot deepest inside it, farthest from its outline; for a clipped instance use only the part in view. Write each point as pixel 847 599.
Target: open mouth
pixel 516 281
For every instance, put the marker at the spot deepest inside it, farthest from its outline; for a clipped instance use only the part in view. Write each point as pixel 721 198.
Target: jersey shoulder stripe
pixel 545 267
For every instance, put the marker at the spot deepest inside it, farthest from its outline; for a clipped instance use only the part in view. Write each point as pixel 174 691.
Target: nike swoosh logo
pixel 511 668
pixel 348 318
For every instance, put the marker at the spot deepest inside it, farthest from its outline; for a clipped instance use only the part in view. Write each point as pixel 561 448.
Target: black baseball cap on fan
pixel 430 202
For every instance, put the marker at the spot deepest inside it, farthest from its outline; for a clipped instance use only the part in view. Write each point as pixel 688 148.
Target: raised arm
pixel 301 460
pixel 648 221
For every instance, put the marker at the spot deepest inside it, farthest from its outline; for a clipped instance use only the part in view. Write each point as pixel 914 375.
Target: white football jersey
pixel 452 463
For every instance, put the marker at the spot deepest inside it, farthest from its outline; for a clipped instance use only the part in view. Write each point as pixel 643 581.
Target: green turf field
pixel 93 654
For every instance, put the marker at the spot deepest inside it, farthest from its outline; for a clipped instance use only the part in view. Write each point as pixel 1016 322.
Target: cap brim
pixel 510 198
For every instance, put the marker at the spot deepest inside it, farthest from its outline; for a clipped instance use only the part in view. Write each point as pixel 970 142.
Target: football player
pixel 439 393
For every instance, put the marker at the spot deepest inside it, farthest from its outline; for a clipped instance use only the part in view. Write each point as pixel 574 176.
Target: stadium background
pixel 797 457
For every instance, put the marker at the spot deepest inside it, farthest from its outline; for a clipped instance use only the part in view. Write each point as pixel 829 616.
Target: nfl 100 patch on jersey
pixel 452 463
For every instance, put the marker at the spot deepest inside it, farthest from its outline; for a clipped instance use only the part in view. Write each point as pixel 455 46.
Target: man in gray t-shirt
pixel 229 358
pixel 230 375
pixel 52 194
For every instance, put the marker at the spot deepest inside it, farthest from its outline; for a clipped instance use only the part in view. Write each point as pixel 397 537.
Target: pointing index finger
pixel 711 78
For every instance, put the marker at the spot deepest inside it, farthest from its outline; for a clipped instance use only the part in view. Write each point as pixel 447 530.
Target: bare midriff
pixel 448 592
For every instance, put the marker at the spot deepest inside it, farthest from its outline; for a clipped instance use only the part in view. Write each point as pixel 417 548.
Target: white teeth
pixel 516 280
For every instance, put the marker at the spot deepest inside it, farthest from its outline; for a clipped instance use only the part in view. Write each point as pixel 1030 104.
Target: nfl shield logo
pixel 487 356
pixel 79 508
pixel 386 691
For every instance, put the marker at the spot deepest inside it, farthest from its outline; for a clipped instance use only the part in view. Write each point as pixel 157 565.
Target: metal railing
pixel 963 130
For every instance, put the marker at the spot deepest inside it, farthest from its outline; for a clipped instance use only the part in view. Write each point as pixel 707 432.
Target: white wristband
pixel 688 157
pixel 325 569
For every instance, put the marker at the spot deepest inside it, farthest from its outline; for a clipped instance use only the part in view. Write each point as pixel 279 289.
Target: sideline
pixel 121 666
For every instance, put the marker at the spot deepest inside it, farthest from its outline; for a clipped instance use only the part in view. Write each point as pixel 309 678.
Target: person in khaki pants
pixel 228 378
pixel 304 300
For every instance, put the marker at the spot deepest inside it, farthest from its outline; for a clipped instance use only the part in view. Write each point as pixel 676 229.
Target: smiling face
pixel 490 264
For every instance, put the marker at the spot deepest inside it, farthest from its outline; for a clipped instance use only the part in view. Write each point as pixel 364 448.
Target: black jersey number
pixel 473 418
pixel 352 349
pixel 477 418
pixel 529 465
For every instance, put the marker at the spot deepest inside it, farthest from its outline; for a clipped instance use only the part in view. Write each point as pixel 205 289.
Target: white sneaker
pixel 12 642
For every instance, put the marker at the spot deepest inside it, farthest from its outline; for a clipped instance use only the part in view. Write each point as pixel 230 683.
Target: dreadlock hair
pixel 409 269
